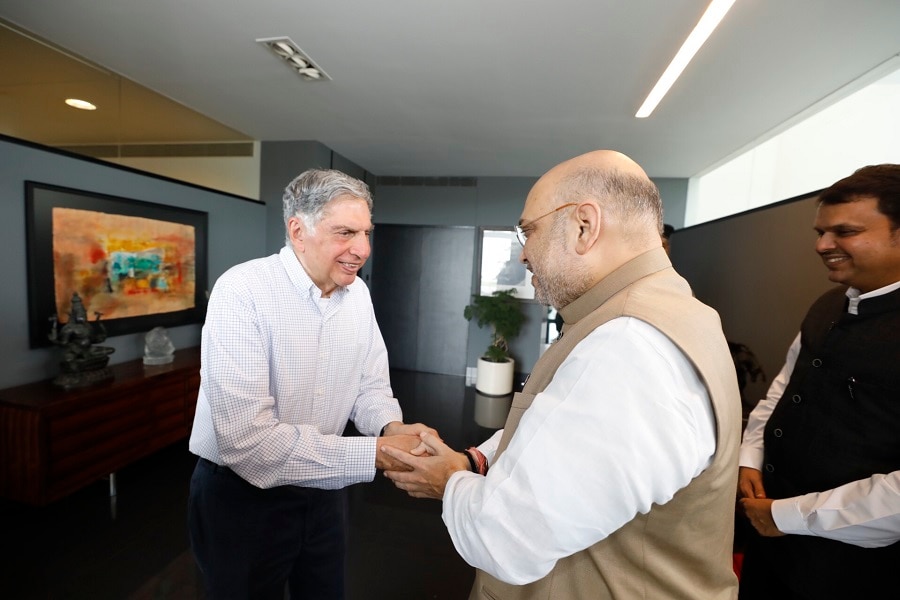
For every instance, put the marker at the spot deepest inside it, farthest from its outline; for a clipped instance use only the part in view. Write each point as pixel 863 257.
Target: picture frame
pixel 139 264
pixel 498 263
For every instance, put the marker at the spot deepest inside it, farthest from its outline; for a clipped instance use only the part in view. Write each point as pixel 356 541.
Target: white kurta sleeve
pixel 863 513
pixel 625 423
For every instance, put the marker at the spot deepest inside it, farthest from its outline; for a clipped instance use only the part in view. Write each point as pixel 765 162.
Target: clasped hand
pixel 402 437
pixel 754 503
pixel 427 468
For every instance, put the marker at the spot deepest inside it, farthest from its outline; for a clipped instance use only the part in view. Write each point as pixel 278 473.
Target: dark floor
pixel 134 546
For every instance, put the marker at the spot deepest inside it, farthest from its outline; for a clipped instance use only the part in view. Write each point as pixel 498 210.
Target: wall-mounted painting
pixel 499 266
pixel 136 264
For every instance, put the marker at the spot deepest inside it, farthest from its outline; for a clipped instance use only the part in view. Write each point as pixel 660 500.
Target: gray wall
pixel 236 234
pixel 280 162
pixel 760 271
pixel 674 196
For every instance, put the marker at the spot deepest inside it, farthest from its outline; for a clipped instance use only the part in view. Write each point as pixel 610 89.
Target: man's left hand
pixel 429 474
pixel 398 428
pixel 759 512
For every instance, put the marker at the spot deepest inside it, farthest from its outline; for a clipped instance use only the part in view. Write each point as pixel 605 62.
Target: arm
pixel 864 513
pixel 589 453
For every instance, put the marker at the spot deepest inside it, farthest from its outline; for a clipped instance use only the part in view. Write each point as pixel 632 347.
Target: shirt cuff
pixel 788 518
pixel 751 457
pixel 360 463
pixel 490 445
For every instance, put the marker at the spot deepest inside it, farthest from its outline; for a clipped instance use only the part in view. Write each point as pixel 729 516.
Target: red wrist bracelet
pixel 480 460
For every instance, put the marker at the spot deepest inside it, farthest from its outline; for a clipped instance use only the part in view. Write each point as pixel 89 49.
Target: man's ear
pixel 297 232
pixel 588 217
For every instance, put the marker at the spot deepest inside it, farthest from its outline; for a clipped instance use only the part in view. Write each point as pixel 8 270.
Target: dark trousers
pixel 252 543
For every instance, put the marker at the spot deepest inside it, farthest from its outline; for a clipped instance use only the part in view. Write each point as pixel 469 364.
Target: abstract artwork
pixel 122 266
pixel 137 265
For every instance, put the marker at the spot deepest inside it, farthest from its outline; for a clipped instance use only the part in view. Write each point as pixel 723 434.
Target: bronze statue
pixel 83 363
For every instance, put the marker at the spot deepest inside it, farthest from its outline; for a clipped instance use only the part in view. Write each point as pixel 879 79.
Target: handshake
pixel 417 460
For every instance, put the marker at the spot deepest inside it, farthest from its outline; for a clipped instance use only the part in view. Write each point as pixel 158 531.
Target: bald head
pixel 602 160
pixel 610 212
pixel 629 200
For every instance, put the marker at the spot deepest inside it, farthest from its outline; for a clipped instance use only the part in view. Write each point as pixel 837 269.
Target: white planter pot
pixel 495 379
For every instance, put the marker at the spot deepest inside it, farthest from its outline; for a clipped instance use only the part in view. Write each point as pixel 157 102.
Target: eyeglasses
pixel 522 234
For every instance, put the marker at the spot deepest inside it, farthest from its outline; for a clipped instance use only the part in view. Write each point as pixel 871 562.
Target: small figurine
pixel 158 349
pixel 83 363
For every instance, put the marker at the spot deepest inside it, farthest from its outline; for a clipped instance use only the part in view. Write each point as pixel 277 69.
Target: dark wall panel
pixel 421 278
pixel 444 281
pixel 396 265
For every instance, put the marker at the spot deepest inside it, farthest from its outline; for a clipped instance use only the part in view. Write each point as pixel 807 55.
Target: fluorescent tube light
pixel 714 14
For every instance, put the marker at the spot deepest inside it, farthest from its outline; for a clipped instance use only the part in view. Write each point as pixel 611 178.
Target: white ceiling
pixel 483 87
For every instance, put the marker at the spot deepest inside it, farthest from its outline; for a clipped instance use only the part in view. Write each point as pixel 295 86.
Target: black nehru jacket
pixel 838 421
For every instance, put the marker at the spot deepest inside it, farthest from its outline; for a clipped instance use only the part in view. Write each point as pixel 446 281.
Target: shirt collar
pixel 855 297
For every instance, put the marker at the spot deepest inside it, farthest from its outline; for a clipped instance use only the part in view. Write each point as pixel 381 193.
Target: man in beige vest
pixel 615 475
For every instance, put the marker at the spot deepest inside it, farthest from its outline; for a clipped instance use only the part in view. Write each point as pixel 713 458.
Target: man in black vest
pixel 820 460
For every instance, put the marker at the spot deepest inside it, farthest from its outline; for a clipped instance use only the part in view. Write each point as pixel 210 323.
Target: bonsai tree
pixel 503 313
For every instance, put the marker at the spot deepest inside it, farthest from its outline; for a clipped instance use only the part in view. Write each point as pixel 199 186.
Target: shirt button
pixel 817 362
pixel 319 391
pixel 778 433
pixel 796 398
pixel 770 468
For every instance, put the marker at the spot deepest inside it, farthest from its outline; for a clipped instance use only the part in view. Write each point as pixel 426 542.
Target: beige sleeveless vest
pixel 682 549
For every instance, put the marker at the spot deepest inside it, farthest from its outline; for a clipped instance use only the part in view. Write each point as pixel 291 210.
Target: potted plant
pixel 503 313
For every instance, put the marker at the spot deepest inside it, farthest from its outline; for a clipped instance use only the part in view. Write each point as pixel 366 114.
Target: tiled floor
pixel 135 547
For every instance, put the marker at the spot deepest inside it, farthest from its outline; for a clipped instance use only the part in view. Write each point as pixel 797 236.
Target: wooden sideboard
pixel 55 442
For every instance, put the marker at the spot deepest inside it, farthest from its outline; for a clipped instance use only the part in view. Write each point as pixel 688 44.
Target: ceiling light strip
pixel 704 28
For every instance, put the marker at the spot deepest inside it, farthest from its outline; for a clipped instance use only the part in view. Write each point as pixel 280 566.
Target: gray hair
pixel 634 199
pixel 311 191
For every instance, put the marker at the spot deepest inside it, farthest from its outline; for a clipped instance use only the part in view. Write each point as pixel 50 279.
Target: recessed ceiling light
pixel 80 104
pixel 310 73
pixel 714 14
pixel 282 49
pixel 297 59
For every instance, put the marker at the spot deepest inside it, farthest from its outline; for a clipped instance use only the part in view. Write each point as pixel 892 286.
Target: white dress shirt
pixel 283 370
pixel 625 423
pixel 864 513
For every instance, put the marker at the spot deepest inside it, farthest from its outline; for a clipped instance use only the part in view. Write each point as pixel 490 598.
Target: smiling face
pixel 857 244
pixel 335 250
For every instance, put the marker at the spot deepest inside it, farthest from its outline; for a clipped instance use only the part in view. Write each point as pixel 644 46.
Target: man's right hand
pixel 750 483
